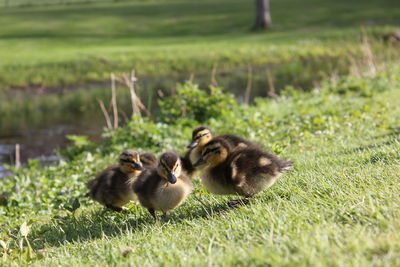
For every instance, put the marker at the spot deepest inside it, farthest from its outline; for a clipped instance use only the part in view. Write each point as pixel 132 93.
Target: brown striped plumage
pixel 200 137
pixel 242 171
pixel 163 188
pixel 113 186
pixel 148 159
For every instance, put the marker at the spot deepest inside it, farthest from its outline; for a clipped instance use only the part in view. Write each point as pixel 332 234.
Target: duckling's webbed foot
pixel 154 214
pixel 233 203
pixel 166 216
pixel 113 208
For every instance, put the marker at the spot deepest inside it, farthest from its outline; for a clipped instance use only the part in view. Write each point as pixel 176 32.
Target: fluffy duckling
pixel 163 188
pixel 148 159
pixel 201 136
pixel 113 186
pixel 245 171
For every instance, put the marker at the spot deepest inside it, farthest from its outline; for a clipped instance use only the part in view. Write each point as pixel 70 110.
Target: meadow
pixel 59 57
pixel 69 45
pixel 336 117
pixel 339 205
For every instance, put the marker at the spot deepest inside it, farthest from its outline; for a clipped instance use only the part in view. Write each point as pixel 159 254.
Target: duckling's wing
pixel 145 186
pixel 239 167
pixel 236 141
pixel 250 162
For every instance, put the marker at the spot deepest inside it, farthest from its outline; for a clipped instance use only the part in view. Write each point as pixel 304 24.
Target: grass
pixel 338 206
pixel 30 3
pixel 59 46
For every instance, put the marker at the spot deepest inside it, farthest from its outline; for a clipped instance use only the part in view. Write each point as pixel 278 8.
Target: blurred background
pixel 56 57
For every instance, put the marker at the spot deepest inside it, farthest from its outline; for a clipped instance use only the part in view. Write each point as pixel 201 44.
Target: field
pixel 336 117
pixel 61 46
pixel 338 206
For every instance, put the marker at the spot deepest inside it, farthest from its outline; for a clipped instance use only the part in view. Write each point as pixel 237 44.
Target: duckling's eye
pixel 209 150
pixel 127 161
pixel 199 136
pixel 206 151
pixel 165 166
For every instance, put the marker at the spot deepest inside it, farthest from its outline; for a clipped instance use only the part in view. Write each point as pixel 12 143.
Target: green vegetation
pixel 73 45
pixel 336 118
pixel 29 3
pixel 339 205
pixel 58 46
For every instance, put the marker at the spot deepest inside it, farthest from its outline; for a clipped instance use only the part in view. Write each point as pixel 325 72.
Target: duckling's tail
pixel 92 186
pixel 286 165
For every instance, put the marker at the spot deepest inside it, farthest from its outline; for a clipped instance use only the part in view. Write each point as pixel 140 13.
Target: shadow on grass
pixel 395 132
pixel 203 210
pixel 92 225
pixel 372 146
pixel 393 137
pixel 104 223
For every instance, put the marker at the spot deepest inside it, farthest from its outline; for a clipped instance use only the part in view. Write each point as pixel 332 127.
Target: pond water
pixel 40 141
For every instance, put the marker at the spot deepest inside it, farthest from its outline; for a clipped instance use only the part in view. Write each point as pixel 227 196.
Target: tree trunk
pixel 263 17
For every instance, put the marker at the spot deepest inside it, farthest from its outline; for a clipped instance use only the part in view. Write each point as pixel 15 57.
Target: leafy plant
pixel 192 103
pixel 79 144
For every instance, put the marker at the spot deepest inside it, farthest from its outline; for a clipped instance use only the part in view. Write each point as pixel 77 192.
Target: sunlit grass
pixel 338 206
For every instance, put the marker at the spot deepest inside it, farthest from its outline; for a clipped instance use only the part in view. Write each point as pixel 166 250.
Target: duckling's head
pixel 200 136
pixel 129 162
pixel 214 152
pixel 169 166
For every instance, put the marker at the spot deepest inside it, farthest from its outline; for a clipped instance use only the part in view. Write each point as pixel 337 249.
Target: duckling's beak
pixel 138 166
pixel 193 144
pixel 171 178
pixel 201 161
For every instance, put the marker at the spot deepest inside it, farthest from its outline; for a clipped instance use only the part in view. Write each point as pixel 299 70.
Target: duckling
pixel 201 136
pixel 148 159
pixel 245 171
pixel 163 188
pixel 113 186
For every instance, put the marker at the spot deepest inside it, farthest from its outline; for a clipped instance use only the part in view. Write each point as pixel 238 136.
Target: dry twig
pixel 105 113
pixel 368 53
pixel 249 85
pixel 271 88
pixel 213 76
pixel 17 156
pixel 114 100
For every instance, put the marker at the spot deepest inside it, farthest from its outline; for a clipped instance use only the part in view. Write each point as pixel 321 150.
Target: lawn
pixel 65 45
pixel 338 206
